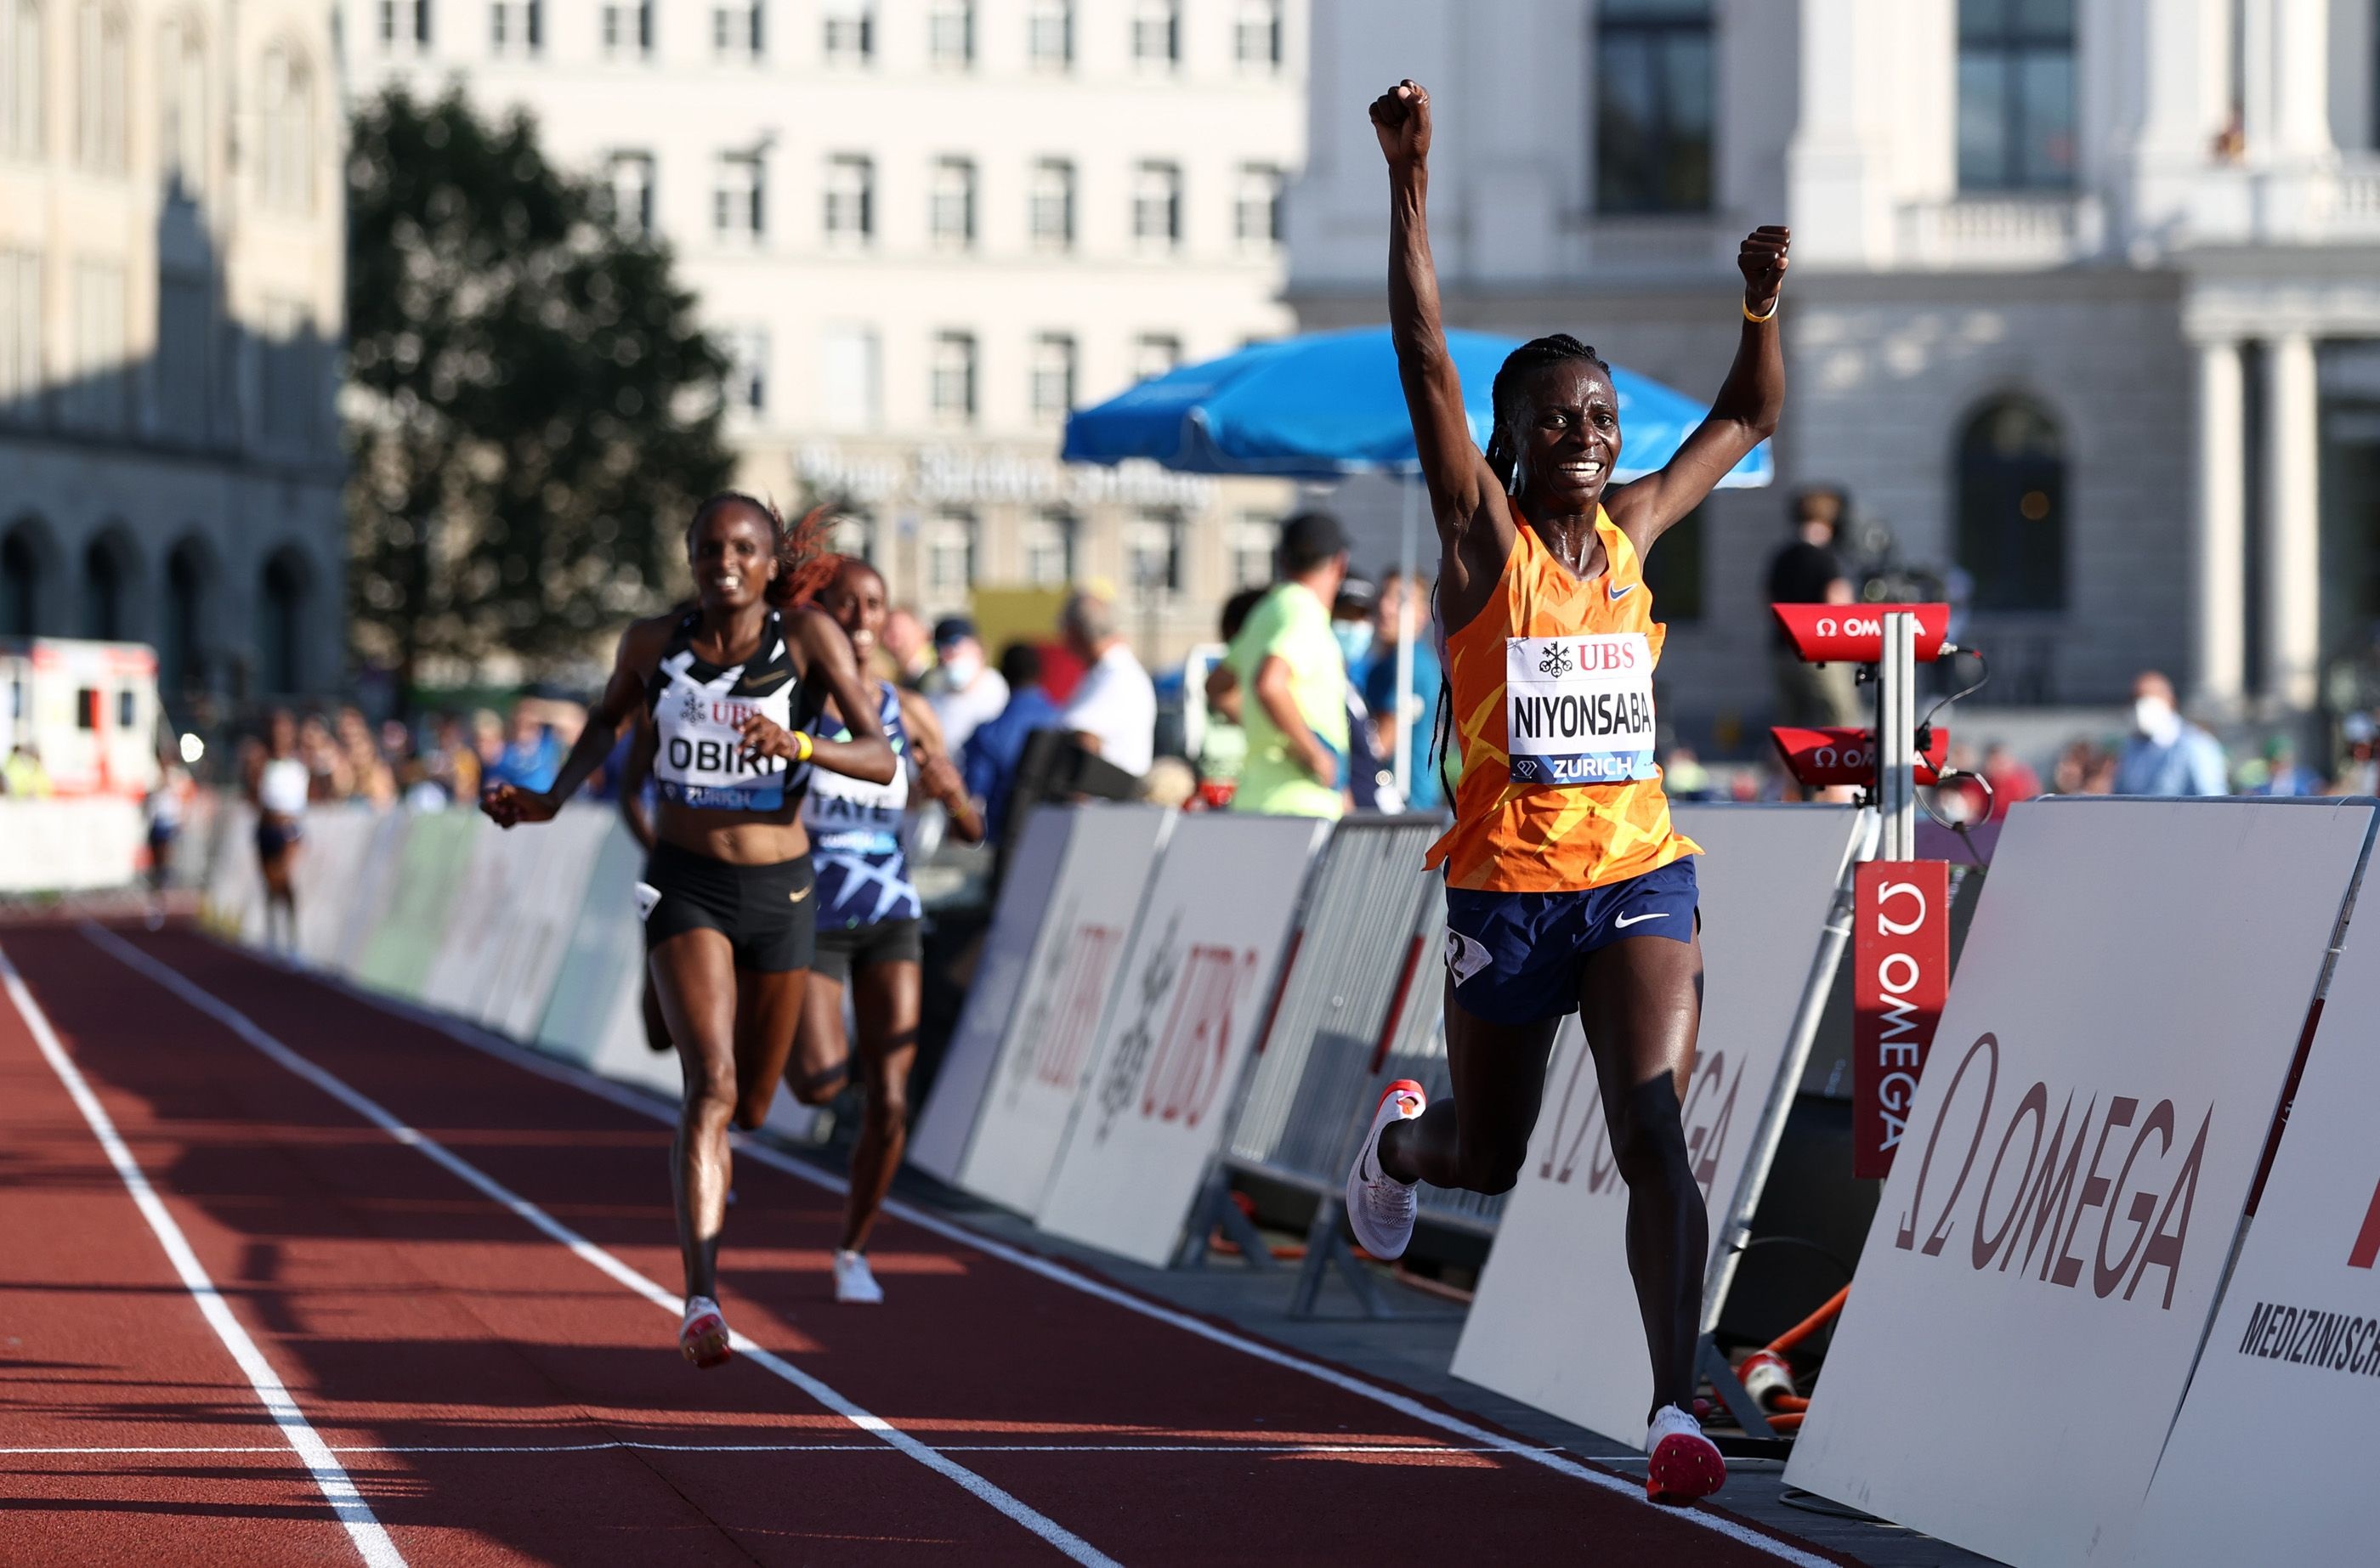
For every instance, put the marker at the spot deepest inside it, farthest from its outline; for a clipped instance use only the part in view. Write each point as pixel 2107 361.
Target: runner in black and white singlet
pixel 870 926
pixel 727 899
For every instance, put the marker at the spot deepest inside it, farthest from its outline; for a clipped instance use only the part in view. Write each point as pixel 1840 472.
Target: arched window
pixel 181 649
pixel 182 119
pixel 281 610
pixel 20 78
pixel 286 172
pixel 24 563
pixel 99 88
pixel 111 580
pixel 2011 484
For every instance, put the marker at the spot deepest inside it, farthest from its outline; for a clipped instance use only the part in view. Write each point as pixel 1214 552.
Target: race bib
pixel 700 760
pixel 1579 710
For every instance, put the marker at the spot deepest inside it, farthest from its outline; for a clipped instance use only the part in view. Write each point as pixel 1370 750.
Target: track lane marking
pixel 1556 1460
pixel 172 979
pixel 330 1478
pixel 633 1445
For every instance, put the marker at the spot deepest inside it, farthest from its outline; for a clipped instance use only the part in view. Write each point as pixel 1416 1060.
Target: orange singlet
pixel 1552 691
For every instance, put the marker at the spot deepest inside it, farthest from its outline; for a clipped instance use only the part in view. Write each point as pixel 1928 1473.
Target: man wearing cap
pixel 1288 660
pixel 969 691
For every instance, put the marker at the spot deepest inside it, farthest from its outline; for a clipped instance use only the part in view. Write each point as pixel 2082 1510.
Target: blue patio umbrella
pixel 1323 405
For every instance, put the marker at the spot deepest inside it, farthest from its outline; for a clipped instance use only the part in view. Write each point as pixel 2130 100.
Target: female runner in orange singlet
pixel 1566 887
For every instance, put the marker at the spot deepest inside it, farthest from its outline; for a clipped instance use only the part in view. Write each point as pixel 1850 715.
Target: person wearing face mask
pixel 1288 664
pixel 2166 754
pixel 968 692
pixel 1371 778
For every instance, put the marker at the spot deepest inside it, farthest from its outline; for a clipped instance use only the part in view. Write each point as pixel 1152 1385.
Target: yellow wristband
pixel 1774 302
pixel 803 746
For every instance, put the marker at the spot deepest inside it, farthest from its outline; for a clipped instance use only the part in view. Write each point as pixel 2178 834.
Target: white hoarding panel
pixel 2065 1200
pixel 601 979
pixel 328 869
pixel 535 937
pixel 938 1141
pixel 1171 1051
pixel 1047 1050
pixel 2274 1445
pixel 1555 1322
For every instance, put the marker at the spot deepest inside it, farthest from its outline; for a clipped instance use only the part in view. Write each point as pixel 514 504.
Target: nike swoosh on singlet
pixel 1625 920
pixel 1622 591
pixel 765 685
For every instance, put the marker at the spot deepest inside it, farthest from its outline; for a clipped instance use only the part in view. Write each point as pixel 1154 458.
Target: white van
pixel 88 709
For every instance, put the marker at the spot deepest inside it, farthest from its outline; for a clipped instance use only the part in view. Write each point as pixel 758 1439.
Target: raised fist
pixel 1400 119
pixel 1762 260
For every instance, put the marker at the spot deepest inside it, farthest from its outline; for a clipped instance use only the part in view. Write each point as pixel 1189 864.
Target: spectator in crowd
pixel 2274 771
pixel 1404 719
pixel 368 777
pixel 2011 779
pixel 908 655
pixel 2167 755
pixel 22 775
pixel 1683 777
pixel 1113 712
pixel 531 757
pixel 1351 623
pixel 1224 750
pixel 450 763
pixel 1807 571
pixel 2359 769
pixel 487 743
pixel 1292 676
pixel 992 752
pixel 1371 777
pixel 969 691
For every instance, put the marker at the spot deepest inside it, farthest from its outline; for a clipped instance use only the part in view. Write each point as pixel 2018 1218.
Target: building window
pixel 850 32
pixel 404 25
pixel 629 28
pixel 951 218
pixel 2012 488
pixel 1052 215
pixel 1053 375
pixel 853 534
pixel 181 650
pixel 2016 94
pixel 1674 571
pixel 1157 34
pixel 23 564
pixel 96 398
pixel 1254 541
pixel 21 335
pixel 182 117
pixel 1049 35
pixel 850 200
pixel 950 555
pixel 517 27
pixel 185 327
pixel 1256 214
pixel 950 34
pixel 1156 206
pixel 21 78
pixel 1152 553
pixel 1154 354
pixel 738 210
pixel 1048 548
pixel 629 180
pixel 748 374
pixel 1653 100
pixel 99 88
pixel 735 30
pixel 110 569
pixel 285 161
pixel 953 377
pixel 850 384
pixel 281 625
pixel 1255 39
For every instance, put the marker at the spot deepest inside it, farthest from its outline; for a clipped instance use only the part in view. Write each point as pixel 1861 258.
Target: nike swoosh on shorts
pixel 798 895
pixel 1623 922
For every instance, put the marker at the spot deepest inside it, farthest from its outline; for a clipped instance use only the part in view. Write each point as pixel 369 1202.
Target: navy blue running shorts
pixel 1515 957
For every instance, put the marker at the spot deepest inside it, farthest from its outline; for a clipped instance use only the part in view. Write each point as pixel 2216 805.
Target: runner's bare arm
pixel 1475 526
pixel 937 774
pixel 827 657
pixel 1743 415
pixel 623 694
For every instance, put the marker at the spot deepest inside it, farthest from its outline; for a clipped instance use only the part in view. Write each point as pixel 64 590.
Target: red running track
pixel 498 1396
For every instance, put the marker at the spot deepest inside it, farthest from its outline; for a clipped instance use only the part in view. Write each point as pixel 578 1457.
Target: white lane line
pixel 604 1089
pixel 371 1110
pixel 1424 1451
pixel 330 1476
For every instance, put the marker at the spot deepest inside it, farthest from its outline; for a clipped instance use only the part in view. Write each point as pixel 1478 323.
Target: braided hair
pixel 1504 444
pixel 804 563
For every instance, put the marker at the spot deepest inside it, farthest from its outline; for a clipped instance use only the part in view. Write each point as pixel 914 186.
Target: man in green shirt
pixel 1294 680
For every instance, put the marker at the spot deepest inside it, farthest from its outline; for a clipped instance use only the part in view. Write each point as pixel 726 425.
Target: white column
pixel 1838 164
pixel 2219 577
pixel 2292 524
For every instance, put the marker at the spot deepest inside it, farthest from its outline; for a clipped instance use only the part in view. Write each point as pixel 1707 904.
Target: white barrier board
pixel 538 934
pixel 363 902
pixel 2274 1445
pixel 70 845
pixel 1177 1038
pixel 486 900
pixel 2065 1200
pixel 600 977
pixel 1555 1322
pixel 329 866
pixel 938 1141
pixel 1044 1055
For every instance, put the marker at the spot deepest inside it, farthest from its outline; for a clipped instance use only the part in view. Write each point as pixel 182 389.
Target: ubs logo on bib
pixel 1556 662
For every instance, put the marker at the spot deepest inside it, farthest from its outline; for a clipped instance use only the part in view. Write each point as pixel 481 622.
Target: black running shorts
pixel 857 947
pixel 766 912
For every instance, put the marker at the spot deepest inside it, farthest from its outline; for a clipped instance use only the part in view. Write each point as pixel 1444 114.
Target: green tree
pixel 533 412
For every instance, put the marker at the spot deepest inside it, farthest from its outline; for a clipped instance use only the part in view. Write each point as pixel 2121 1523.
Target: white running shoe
pixel 854 1280
pixel 1380 1208
pixel 703 1337
pixel 1685 1464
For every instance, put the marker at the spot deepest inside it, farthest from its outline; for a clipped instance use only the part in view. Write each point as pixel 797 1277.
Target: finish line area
pixel 293 1277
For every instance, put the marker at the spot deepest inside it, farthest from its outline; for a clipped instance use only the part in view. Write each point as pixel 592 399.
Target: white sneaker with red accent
pixel 854 1280
pixel 1380 1208
pixel 1685 1464
pixel 703 1337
